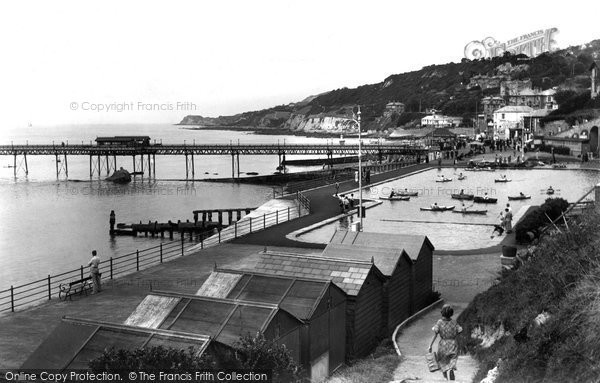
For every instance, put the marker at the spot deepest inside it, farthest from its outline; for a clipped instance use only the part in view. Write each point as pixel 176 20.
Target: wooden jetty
pixel 160 228
pixel 198 227
pixel 207 214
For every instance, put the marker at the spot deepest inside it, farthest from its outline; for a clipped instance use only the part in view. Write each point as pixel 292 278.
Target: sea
pixel 51 225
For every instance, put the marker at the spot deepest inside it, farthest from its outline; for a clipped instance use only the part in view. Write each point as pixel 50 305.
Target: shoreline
pixel 273 131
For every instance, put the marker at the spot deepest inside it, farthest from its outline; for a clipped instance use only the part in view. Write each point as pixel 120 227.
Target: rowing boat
pixel 395 198
pixel 439 208
pixel 406 193
pixel 444 180
pixel 470 211
pixel 484 200
pixel 518 197
pixel 502 180
pixel 463 196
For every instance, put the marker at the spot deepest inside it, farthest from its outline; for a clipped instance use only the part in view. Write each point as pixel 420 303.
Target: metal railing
pixel 48 288
pixel 342 175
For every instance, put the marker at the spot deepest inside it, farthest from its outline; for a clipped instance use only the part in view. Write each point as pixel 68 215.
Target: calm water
pixel 451 231
pixel 51 225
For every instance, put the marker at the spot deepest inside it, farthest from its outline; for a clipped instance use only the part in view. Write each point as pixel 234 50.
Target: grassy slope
pixel 562 276
pixel 376 368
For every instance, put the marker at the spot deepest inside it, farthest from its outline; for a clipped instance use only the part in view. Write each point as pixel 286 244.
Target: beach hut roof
pixel 349 275
pixel 386 259
pixel 224 320
pixel 298 295
pixel 74 342
pixel 412 244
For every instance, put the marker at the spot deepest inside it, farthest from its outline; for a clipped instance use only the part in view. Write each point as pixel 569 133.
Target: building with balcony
pixel 509 121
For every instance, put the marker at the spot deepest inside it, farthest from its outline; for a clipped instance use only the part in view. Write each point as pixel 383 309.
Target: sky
pixel 80 62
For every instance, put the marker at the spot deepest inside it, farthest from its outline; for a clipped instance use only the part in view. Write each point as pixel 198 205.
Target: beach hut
pixel 320 304
pixel 417 247
pixel 75 342
pixel 224 320
pixel 362 282
pixel 396 266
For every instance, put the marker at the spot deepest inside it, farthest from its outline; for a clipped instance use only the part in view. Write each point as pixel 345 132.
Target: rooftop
pixel 412 244
pixel 386 260
pixel 299 296
pixel 349 275
pixel 515 109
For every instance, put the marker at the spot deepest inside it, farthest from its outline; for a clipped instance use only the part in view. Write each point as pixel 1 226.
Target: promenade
pixel 23 331
pixel 323 205
pixel 459 278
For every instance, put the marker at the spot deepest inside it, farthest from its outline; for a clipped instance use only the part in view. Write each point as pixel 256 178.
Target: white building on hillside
pixel 440 121
pixel 508 121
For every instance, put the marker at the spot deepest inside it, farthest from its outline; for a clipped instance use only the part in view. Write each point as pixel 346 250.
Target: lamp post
pixel 360 215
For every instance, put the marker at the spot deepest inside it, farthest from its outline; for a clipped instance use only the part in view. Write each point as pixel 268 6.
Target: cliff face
pixel 317 124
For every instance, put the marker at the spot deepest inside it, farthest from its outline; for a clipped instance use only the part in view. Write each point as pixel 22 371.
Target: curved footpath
pixel 458 279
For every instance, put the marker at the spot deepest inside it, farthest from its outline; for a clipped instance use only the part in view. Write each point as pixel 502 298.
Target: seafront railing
pixel 45 289
pixel 343 175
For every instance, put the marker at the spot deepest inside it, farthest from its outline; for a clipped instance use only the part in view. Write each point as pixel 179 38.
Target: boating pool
pixel 452 231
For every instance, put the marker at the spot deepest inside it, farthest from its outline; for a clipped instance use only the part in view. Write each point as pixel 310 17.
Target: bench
pixel 80 286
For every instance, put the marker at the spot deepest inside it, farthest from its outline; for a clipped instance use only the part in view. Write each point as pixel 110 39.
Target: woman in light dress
pixel 447 353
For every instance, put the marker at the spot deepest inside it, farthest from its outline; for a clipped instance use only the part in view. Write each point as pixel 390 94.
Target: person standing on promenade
pixel 508 216
pixel 94 265
pixel 337 188
pixel 447 354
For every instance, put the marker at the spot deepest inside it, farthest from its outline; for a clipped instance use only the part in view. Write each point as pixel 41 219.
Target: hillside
pixel 451 88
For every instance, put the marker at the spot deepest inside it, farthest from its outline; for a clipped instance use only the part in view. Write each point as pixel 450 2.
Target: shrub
pixel 258 353
pixel 562 278
pixel 151 359
pixel 536 218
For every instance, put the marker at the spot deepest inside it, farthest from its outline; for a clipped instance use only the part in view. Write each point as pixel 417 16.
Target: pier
pixel 103 158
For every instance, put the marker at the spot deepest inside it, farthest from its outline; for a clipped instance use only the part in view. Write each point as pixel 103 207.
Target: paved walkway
pixel 458 279
pixel 23 331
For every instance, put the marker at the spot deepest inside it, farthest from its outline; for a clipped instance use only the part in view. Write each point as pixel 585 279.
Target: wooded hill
pixel 443 87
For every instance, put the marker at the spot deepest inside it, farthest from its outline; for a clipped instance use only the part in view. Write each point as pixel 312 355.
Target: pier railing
pixel 21 296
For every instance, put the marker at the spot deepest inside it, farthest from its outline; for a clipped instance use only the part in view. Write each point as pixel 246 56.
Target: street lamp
pixel 360 215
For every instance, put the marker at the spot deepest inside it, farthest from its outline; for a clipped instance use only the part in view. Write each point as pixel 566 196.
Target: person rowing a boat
pixel 486 197
pixel 521 194
pixel 462 192
pixel 435 206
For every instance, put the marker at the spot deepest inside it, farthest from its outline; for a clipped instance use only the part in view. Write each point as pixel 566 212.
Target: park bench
pixel 80 286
